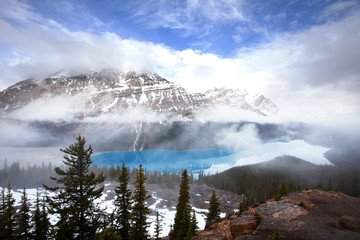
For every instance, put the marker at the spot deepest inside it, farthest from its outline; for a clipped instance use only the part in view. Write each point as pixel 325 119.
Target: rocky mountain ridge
pixel 112 91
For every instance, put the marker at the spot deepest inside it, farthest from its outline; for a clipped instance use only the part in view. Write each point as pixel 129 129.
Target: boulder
pixel 350 223
pixel 245 224
pixel 219 230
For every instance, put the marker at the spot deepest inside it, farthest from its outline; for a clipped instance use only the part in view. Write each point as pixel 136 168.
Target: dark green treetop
pixel 183 209
pixel 123 204
pixel 214 210
pixel 75 201
pixel 276 236
pixel 193 226
pixel 23 218
pixel 140 210
pixel 158 227
pixel 9 212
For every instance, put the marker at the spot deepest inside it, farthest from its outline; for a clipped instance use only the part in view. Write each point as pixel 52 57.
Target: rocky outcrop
pixel 313 214
pixel 220 230
pixel 350 223
pixel 246 224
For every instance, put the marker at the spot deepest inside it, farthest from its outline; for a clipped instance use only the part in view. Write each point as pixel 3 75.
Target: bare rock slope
pixel 313 214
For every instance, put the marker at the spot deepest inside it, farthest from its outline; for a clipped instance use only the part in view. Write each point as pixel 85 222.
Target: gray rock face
pixel 281 214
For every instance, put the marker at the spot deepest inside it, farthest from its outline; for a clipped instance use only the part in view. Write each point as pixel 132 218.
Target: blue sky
pixel 296 52
pixel 219 27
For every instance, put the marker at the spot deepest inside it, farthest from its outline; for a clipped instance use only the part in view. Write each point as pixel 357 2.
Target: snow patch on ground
pixel 166 215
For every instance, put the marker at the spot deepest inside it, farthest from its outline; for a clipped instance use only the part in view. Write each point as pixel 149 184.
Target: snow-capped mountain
pixel 106 91
pixel 118 111
pixel 111 91
pixel 241 100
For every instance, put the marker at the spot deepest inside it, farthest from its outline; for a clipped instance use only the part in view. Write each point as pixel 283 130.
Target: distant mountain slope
pixel 260 182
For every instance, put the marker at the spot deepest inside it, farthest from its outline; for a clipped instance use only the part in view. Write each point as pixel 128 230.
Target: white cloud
pixel 193 17
pixel 19 11
pixel 313 74
pixel 13 134
pixel 50 108
pixel 223 113
pixel 337 8
pixel 239 139
pixel 129 116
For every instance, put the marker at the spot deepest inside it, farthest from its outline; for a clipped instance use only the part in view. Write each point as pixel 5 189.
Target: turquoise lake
pixel 194 161
pixel 216 160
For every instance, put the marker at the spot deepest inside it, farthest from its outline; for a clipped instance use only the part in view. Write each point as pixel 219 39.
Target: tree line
pixel 34 176
pixel 22 224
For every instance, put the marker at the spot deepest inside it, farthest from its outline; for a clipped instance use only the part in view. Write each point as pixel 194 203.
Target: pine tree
pixel 193 227
pixel 214 210
pixel 123 204
pixel 23 219
pixel 276 236
pixel 258 217
pixel 281 192
pixel 9 215
pixel 2 214
pixel 108 233
pixel 171 232
pixel 158 227
pixel 40 220
pixel 75 202
pixel 37 234
pixel 140 210
pixel 44 221
pixel 112 220
pixel 241 208
pixel 182 216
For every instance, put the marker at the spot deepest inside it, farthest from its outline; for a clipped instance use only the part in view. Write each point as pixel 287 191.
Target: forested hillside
pixel 262 181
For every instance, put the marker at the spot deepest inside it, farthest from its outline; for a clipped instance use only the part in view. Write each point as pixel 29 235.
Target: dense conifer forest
pixel 262 181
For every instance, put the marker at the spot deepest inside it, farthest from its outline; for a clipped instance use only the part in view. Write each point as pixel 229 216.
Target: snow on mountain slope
pixel 107 91
pixel 242 100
